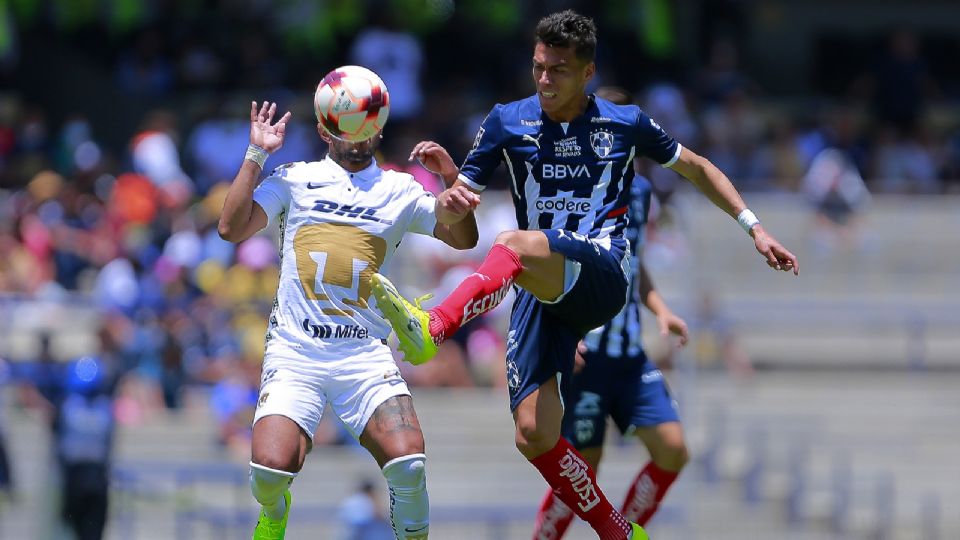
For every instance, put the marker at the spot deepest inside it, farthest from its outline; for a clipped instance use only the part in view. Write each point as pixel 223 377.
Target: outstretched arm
pixel 718 188
pixel 667 321
pixel 241 218
pixel 456 222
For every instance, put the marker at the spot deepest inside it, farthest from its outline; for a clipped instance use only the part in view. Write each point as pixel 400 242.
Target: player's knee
pixel 511 239
pixel 532 440
pixel 681 456
pixel 673 457
pixel 409 504
pixel 407 471
pixel 267 483
pixel 276 461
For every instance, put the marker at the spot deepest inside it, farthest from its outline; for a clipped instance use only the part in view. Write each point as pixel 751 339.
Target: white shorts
pixel 353 383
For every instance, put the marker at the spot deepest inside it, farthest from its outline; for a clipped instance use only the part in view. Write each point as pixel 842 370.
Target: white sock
pixel 276 510
pixel 409 504
pixel 268 486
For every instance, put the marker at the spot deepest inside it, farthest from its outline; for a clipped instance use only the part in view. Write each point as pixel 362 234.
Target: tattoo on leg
pixel 395 415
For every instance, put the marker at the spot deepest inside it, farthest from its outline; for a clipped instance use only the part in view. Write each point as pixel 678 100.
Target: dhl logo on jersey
pixel 353 211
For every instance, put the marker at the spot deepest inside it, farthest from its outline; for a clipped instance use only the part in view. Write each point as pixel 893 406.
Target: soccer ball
pixel 352 103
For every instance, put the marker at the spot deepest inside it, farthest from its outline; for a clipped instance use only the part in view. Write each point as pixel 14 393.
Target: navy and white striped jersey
pixel 574 175
pixel 620 337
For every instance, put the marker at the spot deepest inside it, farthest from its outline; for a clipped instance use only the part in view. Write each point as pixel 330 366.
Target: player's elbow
pixel 464 243
pixel 228 233
pixel 703 169
pixel 470 244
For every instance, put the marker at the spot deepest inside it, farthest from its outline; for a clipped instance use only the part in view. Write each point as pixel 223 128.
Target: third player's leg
pixel 668 453
pixel 592 456
pixel 666 445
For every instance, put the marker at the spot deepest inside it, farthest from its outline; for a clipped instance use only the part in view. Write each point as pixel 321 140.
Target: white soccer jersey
pixel 337 229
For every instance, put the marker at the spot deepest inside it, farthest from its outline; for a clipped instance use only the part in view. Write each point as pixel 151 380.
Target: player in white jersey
pixel 340 221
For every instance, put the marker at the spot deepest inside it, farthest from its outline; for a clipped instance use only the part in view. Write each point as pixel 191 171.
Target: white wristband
pixel 257 155
pixel 747 220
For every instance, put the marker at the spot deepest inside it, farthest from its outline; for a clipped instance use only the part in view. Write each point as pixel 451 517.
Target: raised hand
pixel 435 159
pixel 264 134
pixel 453 204
pixel 669 323
pixel 777 256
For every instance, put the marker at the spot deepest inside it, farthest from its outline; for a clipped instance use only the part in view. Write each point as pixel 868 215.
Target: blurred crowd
pixel 114 159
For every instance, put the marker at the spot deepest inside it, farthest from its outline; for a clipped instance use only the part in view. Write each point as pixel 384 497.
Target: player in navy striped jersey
pixel 613 377
pixel 570 158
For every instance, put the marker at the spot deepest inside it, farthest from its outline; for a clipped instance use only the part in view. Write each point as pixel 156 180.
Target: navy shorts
pixel 631 390
pixel 543 337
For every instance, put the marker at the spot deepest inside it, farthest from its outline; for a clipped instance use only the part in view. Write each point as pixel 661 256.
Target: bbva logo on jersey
pixel 560 171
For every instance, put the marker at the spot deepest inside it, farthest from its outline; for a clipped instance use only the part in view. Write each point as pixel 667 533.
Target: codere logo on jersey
pixel 475 308
pixel 359 212
pixel 334 331
pixel 564 204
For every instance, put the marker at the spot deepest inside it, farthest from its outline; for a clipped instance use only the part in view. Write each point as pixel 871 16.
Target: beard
pixel 358 155
pixel 354 153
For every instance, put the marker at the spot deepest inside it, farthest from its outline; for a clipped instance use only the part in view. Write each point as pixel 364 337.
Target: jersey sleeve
pixel 273 194
pixel 486 154
pixel 423 219
pixel 653 142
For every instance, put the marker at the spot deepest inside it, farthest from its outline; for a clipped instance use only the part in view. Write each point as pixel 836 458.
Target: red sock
pixel 646 492
pixel 480 292
pixel 553 519
pixel 575 484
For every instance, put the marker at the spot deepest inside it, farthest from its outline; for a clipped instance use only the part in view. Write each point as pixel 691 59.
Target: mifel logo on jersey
pixel 334 331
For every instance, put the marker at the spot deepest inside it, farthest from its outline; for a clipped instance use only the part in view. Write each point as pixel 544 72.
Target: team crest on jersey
pixel 602 143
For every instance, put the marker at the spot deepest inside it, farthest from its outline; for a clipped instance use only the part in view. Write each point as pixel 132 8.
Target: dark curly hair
pixel 569 29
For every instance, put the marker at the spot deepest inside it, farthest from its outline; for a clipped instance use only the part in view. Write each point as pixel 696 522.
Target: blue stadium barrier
pixel 842 487
pixel 797 490
pixel 757 460
pixel 885 499
pixel 138 479
pixel 930 517
pixel 716 438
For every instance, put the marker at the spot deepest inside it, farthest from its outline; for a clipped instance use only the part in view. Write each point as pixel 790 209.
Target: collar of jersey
pixel 591 101
pixel 365 175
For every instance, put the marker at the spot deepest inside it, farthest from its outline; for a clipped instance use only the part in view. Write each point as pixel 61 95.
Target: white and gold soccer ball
pixel 352 103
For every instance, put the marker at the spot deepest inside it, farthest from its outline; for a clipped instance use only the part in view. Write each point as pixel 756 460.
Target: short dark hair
pixel 569 29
